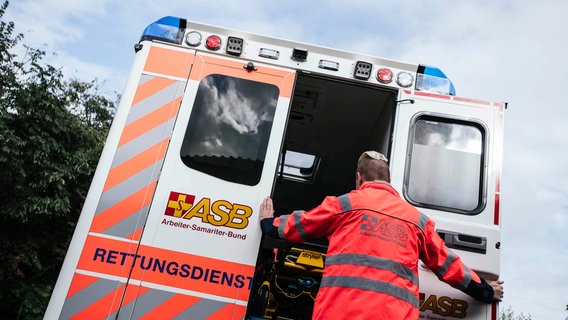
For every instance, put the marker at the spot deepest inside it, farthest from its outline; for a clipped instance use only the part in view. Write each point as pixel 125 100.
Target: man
pixel 375 241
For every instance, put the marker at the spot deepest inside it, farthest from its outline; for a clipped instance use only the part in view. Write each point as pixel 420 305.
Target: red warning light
pixel 213 42
pixel 384 75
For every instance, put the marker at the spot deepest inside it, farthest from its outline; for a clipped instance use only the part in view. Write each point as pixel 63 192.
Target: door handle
pixel 464 242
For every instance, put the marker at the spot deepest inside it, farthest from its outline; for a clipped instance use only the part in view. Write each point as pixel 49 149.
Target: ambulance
pixel 212 120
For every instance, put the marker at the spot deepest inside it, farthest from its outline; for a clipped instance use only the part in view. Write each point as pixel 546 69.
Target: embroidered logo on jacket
pixel 384 229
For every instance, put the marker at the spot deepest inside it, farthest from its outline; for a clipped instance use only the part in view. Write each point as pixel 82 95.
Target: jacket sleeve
pixel 449 268
pixel 267 227
pixel 301 226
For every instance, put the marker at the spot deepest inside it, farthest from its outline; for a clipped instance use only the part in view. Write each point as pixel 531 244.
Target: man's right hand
pixel 497 286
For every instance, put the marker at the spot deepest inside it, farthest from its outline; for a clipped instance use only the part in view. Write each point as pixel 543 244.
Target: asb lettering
pixel 217 213
pixel 384 229
pixel 444 306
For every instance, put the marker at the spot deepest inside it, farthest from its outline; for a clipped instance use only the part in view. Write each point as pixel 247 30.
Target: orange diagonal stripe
pixel 169 62
pixel 136 164
pixel 230 311
pixel 136 235
pixel 102 308
pixel 149 121
pixel 150 87
pixel 79 283
pixel 123 209
pixel 171 307
pixel 132 292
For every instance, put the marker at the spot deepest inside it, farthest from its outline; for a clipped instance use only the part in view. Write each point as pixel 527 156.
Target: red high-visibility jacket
pixel 375 241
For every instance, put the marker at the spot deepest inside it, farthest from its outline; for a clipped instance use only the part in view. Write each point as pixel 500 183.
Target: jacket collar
pixel 379 184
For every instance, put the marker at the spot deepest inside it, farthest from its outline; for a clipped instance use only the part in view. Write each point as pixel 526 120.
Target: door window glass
pixel 229 128
pixel 446 165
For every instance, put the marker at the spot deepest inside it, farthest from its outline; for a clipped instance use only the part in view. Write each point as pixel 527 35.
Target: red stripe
pixel 494 311
pixel 497 206
pixel 433 95
pixel 487 103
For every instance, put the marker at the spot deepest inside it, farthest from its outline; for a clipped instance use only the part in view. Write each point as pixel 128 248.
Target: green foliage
pixel 52 131
pixel 508 314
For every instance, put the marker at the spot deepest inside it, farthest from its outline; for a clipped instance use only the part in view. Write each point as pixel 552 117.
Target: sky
pixel 509 51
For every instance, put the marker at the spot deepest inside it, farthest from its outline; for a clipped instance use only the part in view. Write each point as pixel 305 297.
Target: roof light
pixel 213 42
pixel 363 70
pixel 384 75
pixel 193 38
pixel 269 53
pixel 299 54
pixel 434 80
pixel 168 29
pixel 404 79
pixel 329 65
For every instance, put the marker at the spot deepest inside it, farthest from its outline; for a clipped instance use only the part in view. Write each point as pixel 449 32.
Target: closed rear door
pixel 446 160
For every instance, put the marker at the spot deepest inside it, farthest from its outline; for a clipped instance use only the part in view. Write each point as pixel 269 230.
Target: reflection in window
pixel 229 128
pixel 446 165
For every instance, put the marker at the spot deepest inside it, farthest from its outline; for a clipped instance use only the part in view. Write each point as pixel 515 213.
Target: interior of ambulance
pixel 331 122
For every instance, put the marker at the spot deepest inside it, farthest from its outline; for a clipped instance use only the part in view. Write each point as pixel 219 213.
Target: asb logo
pixel 443 306
pixel 217 213
pixel 386 229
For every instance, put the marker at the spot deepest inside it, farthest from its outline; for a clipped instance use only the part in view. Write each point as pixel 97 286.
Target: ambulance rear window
pixel 446 166
pixel 229 128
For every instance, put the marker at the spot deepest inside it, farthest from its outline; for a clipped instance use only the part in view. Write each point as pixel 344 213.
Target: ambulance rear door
pixel 202 235
pixel 446 161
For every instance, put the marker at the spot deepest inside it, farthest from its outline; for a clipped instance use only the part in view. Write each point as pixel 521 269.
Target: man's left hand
pixel 266 209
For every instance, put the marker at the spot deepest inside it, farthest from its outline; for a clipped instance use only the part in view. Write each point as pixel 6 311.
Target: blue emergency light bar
pixel 168 29
pixel 433 79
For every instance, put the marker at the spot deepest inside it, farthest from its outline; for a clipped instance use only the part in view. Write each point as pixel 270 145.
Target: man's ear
pixel 358 179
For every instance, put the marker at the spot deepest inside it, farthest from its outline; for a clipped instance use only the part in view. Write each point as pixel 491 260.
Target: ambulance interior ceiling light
pixel 168 29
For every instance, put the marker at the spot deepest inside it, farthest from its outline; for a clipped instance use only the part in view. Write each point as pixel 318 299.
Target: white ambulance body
pixel 212 120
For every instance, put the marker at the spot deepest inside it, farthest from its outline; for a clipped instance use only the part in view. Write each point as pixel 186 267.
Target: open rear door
pixel 446 159
pixel 219 165
pixel 197 249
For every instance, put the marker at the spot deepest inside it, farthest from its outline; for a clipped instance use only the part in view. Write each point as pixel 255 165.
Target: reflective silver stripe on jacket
pixel 282 224
pixel 370 285
pixel 373 262
pixel 443 269
pixel 422 221
pixel 466 279
pixel 441 272
pixel 345 203
pixel 296 216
